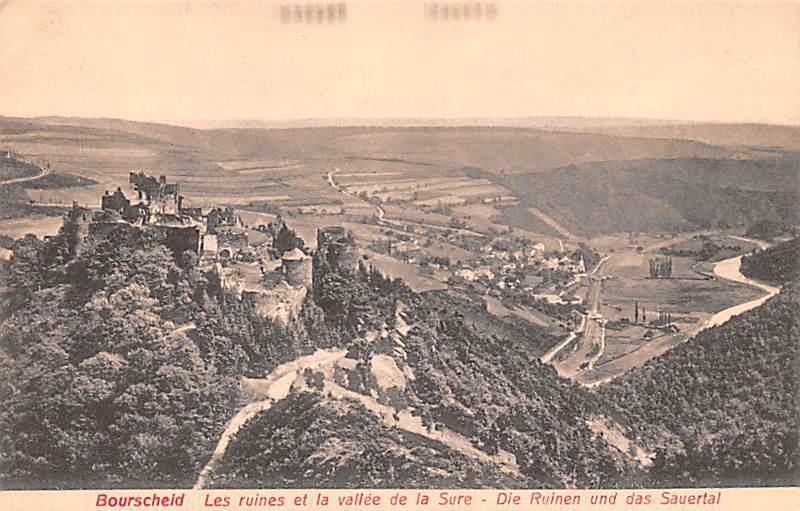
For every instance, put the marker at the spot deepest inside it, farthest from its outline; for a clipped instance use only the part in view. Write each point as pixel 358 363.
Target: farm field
pixel 40 226
pixel 672 295
pixel 689 298
pixel 408 272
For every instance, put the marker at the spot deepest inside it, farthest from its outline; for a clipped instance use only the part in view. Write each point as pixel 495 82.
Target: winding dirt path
pixel 276 386
pixel 42 172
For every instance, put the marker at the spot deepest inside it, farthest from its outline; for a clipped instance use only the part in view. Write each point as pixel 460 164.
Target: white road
pixel 401 225
pixel 276 386
pixel 278 383
pixel 728 269
pixel 16 180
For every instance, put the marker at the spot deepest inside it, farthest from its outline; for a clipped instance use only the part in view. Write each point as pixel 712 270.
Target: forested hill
pixel 721 409
pixel 778 264
pixel 666 194
pixel 119 368
pixel 491 390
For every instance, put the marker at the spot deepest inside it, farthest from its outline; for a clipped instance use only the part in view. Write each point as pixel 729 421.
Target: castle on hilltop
pixel 266 266
pixel 158 213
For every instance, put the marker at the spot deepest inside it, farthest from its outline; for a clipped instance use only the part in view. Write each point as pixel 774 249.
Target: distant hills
pixel 593 176
pixel 726 134
pixel 664 195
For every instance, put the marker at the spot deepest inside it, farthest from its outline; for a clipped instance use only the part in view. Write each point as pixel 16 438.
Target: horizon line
pixel 331 122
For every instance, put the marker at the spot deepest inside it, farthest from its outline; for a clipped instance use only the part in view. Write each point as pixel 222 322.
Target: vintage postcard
pixel 322 255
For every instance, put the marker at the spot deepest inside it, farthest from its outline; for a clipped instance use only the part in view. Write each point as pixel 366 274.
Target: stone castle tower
pixel 76 228
pixel 336 252
pixel 297 267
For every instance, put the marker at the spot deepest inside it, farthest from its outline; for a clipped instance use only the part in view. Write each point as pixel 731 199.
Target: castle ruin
pixel 336 253
pixel 661 268
pixel 246 263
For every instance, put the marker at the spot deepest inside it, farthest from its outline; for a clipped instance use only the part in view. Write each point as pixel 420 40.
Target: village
pixel 500 266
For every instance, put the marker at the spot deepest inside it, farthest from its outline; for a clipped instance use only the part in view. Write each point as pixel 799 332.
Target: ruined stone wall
pixel 279 304
pixel 76 229
pixel 336 253
pixel 177 239
pixel 298 272
pixel 342 256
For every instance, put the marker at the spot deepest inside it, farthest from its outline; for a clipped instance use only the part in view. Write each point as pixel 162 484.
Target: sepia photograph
pixel 462 245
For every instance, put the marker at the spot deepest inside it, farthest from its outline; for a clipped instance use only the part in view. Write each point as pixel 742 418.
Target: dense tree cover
pixel 310 441
pixel 472 309
pixel 122 364
pixel 119 368
pixel 357 300
pixel 287 240
pixel 778 264
pixel 659 195
pixel 100 386
pixel 499 393
pixel 722 409
pixel 708 249
pixel 490 388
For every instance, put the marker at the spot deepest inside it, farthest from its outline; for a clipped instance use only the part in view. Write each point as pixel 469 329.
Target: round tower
pixel 297 268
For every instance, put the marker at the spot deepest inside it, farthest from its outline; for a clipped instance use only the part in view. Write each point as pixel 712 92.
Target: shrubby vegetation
pixel 120 367
pixel 767 230
pixel 665 194
pixel 489 388
pixel 309 441
pixel 497 392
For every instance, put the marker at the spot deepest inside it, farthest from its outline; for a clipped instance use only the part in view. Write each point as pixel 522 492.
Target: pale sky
pixel 188 61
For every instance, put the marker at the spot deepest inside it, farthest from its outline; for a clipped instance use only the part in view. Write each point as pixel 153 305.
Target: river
pixel 730 269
